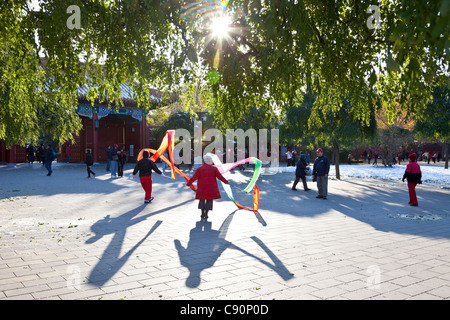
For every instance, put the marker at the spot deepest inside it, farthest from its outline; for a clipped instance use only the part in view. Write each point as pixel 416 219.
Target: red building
pixel 103 125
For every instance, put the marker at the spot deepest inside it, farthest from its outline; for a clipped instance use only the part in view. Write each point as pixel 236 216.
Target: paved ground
pixel 69 237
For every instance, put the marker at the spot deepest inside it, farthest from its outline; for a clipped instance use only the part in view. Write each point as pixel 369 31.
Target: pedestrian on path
pixel 289 157
pixel 68 153
pixel 163 163
pixel 207 189
pixel 300 173
pixel 121 162
pixel 114 161
pixel 320 174
pixel 108 158
pixel 89 162
pixel 413 175
pixel 49 157
pixel 145 166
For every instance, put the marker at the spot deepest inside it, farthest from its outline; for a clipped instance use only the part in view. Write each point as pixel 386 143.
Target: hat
pixel 116 146
pixel 319 150
pixel 412 157
pixel 207 158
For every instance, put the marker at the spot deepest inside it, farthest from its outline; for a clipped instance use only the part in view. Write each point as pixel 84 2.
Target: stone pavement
pixel 69 237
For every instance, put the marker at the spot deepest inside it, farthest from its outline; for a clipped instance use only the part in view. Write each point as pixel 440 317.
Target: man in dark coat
pixel 108 157
pixel 49 157
pixel 207 189
pixel 145 166
pixel 89 162
pixel 320 173
pixel 300 173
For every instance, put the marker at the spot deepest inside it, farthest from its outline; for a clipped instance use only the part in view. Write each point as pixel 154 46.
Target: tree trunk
pixel 336 159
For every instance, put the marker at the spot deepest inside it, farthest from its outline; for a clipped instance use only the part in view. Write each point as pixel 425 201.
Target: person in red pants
pixel 207 189
pixel 145 166
pixel 414 176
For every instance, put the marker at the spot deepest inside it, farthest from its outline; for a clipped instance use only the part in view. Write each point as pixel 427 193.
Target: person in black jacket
pixel 49 157
pixel 320 173
pixel 300 173
pixel 89 162
pixel 145 166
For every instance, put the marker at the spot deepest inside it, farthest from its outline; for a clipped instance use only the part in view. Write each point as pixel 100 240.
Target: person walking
pixel 41 151
pixel 121 162
pixel 145 166
pixel 114 161
pixel 300 173
pixel 289 157
pixel 49 157
pixel 108 158
pixel 30 154
pixel 163 163
pixel 89 162
pixel 320 174
pixel 207 189
pixel 413 175
pixel 68 153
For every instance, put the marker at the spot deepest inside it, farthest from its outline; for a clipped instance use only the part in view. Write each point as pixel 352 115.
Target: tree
pixel 435 124
pixel 270 52
pixel 393 133
pixel 311 124
pixel 278 48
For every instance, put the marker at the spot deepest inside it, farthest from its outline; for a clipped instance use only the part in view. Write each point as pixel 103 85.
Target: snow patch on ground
pixel 430 174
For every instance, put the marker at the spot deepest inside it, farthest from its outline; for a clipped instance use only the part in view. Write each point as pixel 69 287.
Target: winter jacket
pixel 301 166
pixel 89 160
pixel 321 166
pixel 145 167
pixel 207 188
pixel 413 173
pixel 49 154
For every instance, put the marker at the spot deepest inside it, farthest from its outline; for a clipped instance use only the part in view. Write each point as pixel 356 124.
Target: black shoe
pixel 293 189
pixel 319 197
pixel 324 198
pixel 307 189
pixel 149 200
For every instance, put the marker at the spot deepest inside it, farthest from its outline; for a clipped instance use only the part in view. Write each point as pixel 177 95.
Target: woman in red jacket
pixel 207 189
pixel 414 176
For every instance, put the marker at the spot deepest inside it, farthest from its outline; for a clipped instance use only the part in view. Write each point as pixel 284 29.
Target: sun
pixel 220 26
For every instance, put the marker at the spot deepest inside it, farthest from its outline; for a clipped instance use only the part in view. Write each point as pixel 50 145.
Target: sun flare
pixel 220 26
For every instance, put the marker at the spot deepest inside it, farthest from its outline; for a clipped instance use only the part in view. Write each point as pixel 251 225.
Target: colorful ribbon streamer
pixel 223 168
pixel 168 143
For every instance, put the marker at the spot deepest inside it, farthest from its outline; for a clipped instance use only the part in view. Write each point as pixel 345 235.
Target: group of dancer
pixel 207 189
pixel 206 174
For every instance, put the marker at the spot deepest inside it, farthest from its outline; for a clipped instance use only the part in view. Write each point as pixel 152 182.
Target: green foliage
pixel 435 125
pixel 327 46
pixel 275 51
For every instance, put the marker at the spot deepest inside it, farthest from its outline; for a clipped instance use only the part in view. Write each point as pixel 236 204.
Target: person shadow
pixel 111 261
pixel 206 245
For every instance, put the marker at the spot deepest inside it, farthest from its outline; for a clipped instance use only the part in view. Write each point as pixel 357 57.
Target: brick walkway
pixel 69 237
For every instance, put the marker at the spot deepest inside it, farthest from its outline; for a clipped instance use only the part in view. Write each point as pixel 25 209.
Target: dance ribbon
pixel 223 168
pixel 168 143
